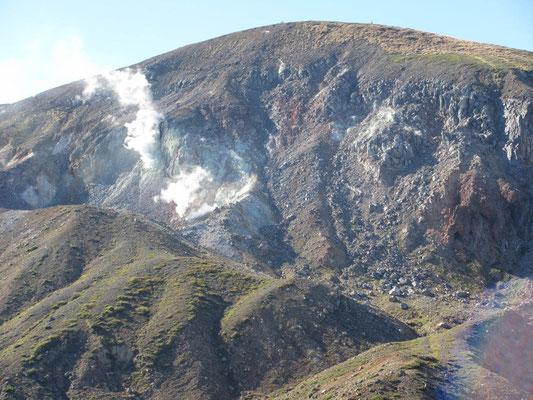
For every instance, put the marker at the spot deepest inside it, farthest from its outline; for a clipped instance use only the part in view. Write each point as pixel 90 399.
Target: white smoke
pixel 381 120
pixel 214 178
pixel 132 89
pixel 187 188
pixel 195 191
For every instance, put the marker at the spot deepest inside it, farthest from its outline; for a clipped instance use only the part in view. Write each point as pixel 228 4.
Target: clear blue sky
pixel 49 42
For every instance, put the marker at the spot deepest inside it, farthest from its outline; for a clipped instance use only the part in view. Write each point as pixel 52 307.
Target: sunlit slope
pixel 483 360
pixel 103 303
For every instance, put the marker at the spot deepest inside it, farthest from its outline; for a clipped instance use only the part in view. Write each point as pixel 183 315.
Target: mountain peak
pixel 296 39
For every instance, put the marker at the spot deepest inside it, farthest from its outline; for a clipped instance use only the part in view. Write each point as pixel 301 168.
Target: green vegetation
pixel 30 372
pixel 155 313
pixel 477 62
pixel 136 300
pixel 142 310
pixel 204 290
pixel 42 347
pixel 58 304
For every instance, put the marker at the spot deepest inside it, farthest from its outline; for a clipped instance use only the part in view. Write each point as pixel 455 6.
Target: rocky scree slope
pixel 326 147
pixel 88 312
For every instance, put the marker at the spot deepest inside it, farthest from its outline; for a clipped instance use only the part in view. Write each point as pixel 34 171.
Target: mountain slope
pixel 305 142
pixel 483 359
pixel 106 304
pixel 354 185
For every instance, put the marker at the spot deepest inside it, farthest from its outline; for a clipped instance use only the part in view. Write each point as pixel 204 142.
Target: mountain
pixel 89 312
pixel 467 362
pixel 329 180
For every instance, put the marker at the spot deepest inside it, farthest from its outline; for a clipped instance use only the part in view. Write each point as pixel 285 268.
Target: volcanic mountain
pixel 229 219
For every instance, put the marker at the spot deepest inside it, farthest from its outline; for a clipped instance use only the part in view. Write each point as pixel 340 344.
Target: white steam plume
pixel 195 192
pixel 132 89
pixel 187 188
pixel 215 177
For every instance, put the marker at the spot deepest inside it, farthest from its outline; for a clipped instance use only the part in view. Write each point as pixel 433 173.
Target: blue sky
pixel 48 43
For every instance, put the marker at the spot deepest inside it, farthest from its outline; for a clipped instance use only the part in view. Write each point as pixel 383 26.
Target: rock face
pixel 303 145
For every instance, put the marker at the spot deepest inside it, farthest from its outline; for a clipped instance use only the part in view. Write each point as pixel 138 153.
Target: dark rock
pixel 393 299
pixel 443 325
pixel 462 294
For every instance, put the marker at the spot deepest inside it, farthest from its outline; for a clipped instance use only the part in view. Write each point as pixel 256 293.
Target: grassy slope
pixel 405 43
pixel 477 360
pixel 300 39
pixel 102 304
pixel 394 370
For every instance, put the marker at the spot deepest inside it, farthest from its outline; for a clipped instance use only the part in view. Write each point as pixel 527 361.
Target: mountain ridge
pixel 118 320
pixel 524 54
